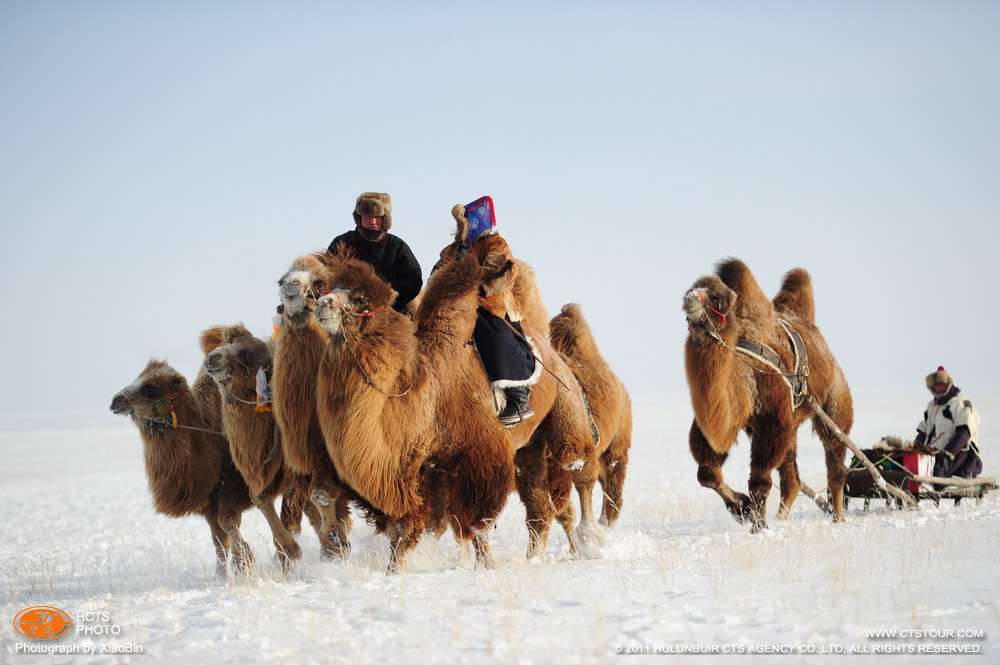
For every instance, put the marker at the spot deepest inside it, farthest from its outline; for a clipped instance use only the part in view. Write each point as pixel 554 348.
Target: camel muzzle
pixel 121 405
pixel 694 305
pixel 217 365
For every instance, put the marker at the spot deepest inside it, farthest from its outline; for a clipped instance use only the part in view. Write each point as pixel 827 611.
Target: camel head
pixel 356 293
pixel 152 394
pixel 235 361
pixel 709 303
pixel 305 281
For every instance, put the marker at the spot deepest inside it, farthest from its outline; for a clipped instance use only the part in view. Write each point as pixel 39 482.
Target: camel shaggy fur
pixel 299 348
pixel 612 411
pixel 733 390
pixel 188 464
pixel 400 409
pixel 237 361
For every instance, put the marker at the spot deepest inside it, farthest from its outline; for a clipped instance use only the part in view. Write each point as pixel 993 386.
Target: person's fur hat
pixel 940 376
pixel 374 204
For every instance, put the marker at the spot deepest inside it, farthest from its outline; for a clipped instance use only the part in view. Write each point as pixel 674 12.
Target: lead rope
pixel 347 343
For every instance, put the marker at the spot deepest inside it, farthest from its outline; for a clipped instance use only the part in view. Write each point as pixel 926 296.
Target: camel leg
pixel 791 484
pixel 770 444
pixel 220 538
pixel 484 555
pixel 567 519
pixel 436 480
pixel 560 485
pixel 532 487
pixel 286 549
pixel 230 520
pixel 334 510
pixel 294 503
pixel 836 471
pixel 614 464
pixel 404 535
pixel 584 481
pixel 710 475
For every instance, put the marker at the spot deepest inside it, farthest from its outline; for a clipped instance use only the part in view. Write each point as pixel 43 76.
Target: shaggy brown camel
pixel 612 412
pixel 397 405
pixel 555 449
pixel 299 349
pixel 188 464
pixel 241 365
pixel 748 363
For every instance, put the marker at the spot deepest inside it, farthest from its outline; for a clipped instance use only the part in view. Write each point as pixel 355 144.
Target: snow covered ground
pixel 677 575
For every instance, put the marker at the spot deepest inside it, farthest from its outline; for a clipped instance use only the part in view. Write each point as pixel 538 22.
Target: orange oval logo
pixel 42 622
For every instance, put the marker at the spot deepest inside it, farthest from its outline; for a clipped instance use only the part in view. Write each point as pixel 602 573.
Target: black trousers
pixel 501 344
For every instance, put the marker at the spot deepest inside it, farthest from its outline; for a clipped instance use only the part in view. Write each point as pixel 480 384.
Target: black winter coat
pixel 393 261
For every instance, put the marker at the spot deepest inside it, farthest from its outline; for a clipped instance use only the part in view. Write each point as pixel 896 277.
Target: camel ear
pixel 211 339
pixel 732 300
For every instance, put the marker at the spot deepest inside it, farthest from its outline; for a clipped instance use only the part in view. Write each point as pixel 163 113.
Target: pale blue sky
pixel 162 163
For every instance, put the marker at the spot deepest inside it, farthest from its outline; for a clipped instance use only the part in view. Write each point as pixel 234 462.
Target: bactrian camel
pixel 749 361
pixel 188 464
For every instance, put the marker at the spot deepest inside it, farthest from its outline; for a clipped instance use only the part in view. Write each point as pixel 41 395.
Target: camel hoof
pixel 742 509
pixel 487 562
pixel 288 557
pixel 336 547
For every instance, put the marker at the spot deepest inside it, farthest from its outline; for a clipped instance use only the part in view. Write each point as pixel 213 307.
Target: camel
pixel 399 408
pixel 749 364
pixel 555 450
pixel 241 365
pixel 188 464
pixel 299 348
pixel 612 411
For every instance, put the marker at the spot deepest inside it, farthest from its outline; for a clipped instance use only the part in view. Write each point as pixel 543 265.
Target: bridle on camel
pixel 797 380
pixel 171 421
pixel 364 316
pixel 260 405
pixel 263 400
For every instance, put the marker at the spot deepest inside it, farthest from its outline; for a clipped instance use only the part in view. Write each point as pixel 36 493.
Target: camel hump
pixel 211 339
pixel 214 337
pixel 751 303
pixel 568 330
pixel 796 295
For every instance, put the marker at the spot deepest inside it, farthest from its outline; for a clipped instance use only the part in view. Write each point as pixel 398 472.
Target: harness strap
pixel 761 352
pixel 797 379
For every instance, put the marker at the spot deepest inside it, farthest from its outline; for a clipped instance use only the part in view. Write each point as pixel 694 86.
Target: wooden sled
pixel 860 483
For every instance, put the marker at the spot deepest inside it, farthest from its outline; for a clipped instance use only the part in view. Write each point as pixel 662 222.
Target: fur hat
pixel 374 204
pixel 940 376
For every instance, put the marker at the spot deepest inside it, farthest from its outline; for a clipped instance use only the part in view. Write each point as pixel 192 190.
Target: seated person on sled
pixel 950 426
pixel 508 356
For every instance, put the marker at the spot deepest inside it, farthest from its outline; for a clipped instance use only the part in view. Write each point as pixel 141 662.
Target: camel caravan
pixel 397 412
pixel 423 407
